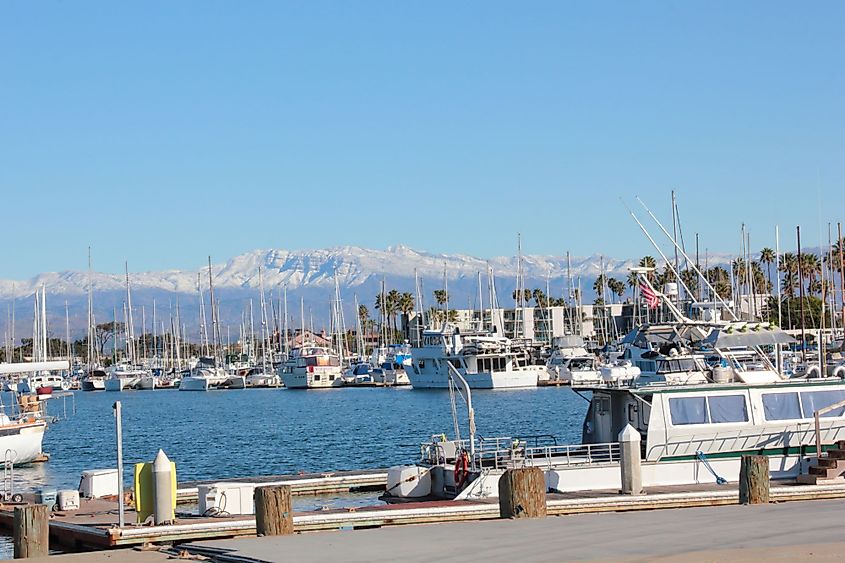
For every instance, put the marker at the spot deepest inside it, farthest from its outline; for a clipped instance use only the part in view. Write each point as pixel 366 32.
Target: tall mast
pixel 90 314
pixel 67 334
pixel 264 327
pixel 215 328
pixel 130 329
pixel 285 323
pixel 801 295
pixel 777 270
pixel 44 348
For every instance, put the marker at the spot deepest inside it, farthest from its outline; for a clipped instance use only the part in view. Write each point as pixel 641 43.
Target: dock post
pixel 630 464
pixel 522 493
pixel 273 510
pixel 31 531
pixel 754 479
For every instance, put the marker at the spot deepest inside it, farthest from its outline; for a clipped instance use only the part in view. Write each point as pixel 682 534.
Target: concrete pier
pixel 808 529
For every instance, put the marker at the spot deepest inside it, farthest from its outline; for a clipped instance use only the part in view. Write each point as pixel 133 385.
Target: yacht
pixel 571 363
pixel 690 432
pixel 203 376
pixel 257 377
pixel 311 367
pixel 485 361
pixel 94 380
pixel 123 376
pixel 43 382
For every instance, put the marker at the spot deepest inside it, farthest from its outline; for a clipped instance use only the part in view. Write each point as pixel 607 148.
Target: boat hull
pixel 194 384
pixel 24 441
pixel 301 379
pixel 93 385
pixel 519 379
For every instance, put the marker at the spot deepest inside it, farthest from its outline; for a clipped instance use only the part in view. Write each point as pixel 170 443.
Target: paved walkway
pixel 806 530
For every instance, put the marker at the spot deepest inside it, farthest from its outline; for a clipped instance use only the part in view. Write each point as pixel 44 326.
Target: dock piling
pixel 273 510
pixel 522 493
pixel 31 531
pixel 630 462
pixel 754 479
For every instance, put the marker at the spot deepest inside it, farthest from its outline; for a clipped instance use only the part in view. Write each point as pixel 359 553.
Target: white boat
pixel 258 378
pixel 21 438
pixel 311 367
pixel 43 380
pixel 147 382
pixel 571 363
pixel 485 361
pixel 204 376
pixel 124 376
pixel 94 380
pixel 690 433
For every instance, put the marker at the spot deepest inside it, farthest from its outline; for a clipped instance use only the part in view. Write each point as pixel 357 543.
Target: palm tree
pixel 690 279
pixel 393 308
pixel 649 262
pixel 363 314
pixel 767 257
pixel 539 297
pixel 616 286
pixel 599 285
pixel 440 296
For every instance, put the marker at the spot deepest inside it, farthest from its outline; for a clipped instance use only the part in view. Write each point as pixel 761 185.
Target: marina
pixel 415 282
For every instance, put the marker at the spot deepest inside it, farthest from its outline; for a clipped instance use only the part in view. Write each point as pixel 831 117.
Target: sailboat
pixel 208 372
pixel 127 373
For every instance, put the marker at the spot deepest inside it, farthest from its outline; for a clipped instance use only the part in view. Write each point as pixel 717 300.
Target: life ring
pixel 461 469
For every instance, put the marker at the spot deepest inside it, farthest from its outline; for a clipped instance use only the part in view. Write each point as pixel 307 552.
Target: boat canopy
pixel 32 367
pixel 570 341
pixel 737 335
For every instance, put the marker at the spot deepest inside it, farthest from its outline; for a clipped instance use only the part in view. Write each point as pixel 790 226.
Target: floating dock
pixel 94 526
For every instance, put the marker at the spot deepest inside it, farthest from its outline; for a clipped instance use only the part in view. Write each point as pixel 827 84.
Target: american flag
pixel 651 298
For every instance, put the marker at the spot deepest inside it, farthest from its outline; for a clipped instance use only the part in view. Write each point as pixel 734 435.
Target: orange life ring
pixel 461 469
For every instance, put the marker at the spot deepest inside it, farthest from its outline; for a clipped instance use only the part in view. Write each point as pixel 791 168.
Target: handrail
pixel 816 415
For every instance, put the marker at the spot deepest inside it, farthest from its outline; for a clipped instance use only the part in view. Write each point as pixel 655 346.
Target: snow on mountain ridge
pixel 355 266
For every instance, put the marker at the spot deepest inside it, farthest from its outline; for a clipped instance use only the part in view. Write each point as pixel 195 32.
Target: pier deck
pixel 786 532
pixel 95 524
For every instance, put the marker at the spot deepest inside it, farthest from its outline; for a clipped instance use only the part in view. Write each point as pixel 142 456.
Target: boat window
pixel 781 406
pixel 814 400
pixel 727 408
pixel 688 410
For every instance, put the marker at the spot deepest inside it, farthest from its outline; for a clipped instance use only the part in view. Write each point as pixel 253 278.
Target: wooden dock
pixel 94 526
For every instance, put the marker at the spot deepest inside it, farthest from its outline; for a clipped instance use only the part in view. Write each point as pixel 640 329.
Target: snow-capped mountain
pixel 307 274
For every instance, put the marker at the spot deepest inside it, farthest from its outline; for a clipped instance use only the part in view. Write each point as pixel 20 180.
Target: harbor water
pixel 236 433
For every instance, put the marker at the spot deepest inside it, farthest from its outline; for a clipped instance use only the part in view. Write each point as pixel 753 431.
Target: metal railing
pixel 507 453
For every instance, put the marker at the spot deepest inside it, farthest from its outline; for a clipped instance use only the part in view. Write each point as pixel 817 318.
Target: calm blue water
pixel 237 433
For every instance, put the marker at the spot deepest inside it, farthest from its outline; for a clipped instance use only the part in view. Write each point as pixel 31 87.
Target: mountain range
pixel 307 274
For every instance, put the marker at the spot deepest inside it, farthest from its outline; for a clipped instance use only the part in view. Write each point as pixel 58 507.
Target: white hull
pixel 93 385
pixel 235 382
pixel 24 442
pixel 119 384
pixel 594 477
pixel 190 383
pixel 519 379
pixel 147 383
pixel 263 380
pixel 301 379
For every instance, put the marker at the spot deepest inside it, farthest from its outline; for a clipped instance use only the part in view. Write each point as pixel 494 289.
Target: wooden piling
pixel 522 493
pixel 754 479
pixel 273 510
pixel 31 531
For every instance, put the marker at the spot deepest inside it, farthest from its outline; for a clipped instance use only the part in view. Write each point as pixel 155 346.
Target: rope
pixel 703 459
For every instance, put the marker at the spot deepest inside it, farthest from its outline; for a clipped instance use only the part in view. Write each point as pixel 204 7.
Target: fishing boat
pixel 485 360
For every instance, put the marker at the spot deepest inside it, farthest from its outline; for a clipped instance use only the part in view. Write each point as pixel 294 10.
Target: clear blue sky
pixel 161 132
